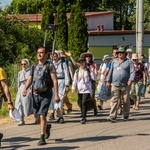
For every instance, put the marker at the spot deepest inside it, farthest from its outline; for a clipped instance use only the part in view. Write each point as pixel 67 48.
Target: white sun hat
pixel 15 115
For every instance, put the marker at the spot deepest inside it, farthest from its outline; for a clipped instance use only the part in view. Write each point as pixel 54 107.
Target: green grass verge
pixel 99 52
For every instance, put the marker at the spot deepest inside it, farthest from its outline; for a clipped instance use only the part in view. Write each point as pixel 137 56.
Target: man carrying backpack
pixel 43 78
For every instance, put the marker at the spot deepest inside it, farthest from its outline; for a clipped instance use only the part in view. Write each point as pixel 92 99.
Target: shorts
pixel 41 103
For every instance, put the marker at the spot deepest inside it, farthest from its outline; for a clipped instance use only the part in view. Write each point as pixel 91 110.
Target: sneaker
pixel 100 107
pixel 142 95
pixel 69 111
pixel 83 121
pixel 133 107
pixel 21 123
pixel 1 136
pixel 126 118
pixel 52 117
pixel 61 120
pixel 48 128
pixel 113 120
pixel 41 141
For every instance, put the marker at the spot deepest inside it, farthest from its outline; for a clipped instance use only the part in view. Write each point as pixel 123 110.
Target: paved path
pixel 97 134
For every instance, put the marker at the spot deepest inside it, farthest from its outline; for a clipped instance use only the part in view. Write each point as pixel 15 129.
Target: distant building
pixel 102 36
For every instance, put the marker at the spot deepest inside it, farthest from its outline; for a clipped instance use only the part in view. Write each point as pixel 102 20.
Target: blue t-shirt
pixel 109 65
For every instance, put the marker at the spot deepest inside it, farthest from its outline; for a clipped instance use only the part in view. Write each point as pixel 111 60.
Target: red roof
pixel 38 17
pixel 27 17
pixel 89 14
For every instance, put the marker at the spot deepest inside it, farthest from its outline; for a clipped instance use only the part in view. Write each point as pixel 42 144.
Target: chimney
pixel 102 27
pixel 98 28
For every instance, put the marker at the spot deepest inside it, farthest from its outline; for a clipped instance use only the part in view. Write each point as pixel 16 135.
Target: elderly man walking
pixel 120 77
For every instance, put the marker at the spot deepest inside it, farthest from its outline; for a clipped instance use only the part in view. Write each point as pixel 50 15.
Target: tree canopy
pixel 78 34
pixel 62 29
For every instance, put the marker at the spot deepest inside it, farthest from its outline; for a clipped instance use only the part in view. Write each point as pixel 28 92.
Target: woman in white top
pixel 82 84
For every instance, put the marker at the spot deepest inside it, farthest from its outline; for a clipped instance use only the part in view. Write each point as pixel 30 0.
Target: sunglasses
pixel 23 64
pixel 134 59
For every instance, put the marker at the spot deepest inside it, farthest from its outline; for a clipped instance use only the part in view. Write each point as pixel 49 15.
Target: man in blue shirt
pixel 120 78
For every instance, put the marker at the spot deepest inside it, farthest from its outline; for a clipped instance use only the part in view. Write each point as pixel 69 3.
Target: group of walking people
pixel 45 86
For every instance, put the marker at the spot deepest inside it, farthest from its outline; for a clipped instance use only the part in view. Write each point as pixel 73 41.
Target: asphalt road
pixel 96 134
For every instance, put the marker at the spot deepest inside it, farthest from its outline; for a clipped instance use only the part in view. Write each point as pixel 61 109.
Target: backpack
pixel 67 63
pixel 41 78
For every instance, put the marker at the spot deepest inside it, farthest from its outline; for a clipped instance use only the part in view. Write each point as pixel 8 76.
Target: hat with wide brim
pixel 15 115
pixel 87 54
pixel 121 50
pixel 135 56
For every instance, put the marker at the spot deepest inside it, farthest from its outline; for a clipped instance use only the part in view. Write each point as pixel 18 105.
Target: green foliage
pixel 47 14
pixel 62 31
pixel 79 31
pixel 18 41
pixel 71 44
pixel 26 6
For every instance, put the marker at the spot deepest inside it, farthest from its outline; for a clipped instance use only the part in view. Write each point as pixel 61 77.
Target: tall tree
pixel 80 34
pixel 47 14
pixel 62 31
pixel 26 6
pixel 71 36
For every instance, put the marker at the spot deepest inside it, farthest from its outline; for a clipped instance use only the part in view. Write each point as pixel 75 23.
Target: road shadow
pixel 56 148
pixel 13 147
pixel 91 139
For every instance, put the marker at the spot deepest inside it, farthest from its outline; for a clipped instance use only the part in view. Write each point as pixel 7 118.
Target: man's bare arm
pixel 5 87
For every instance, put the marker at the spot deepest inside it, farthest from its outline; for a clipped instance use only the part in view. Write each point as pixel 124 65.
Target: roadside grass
pixel 4 112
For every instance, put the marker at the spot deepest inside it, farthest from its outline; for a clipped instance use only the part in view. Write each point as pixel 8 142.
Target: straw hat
pixel 87 54
pixel 135 56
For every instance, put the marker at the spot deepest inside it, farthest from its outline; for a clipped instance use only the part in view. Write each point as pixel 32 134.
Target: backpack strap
pixel 67 63
pixel 33 68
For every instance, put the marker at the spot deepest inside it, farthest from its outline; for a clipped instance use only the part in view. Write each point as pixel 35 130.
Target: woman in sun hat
pixel 102 91
pixel 139 80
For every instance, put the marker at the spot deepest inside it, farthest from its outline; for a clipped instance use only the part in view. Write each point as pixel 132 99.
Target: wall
pixel 102 44
pixel 106 20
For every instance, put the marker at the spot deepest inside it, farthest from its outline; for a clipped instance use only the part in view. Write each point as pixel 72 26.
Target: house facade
pixel 102 36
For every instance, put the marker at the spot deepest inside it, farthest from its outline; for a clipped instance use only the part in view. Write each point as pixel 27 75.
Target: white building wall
pixel 106 20
pixel 109 40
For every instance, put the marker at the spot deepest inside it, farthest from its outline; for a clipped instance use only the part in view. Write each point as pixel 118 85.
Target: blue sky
pixel 4 3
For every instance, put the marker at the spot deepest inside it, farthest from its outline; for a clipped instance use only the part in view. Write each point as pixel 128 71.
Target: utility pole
pixel 139 26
